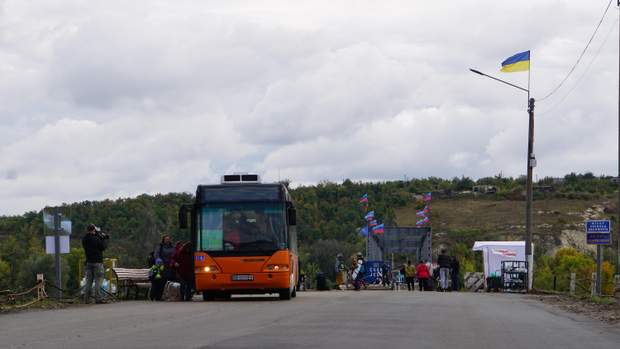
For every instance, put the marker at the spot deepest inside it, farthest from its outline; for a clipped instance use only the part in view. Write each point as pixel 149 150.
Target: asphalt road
pixel 336 319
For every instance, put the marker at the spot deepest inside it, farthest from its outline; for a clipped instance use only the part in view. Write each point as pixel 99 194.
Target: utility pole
pixel 531 163
pixel 57 218
pixel 618 178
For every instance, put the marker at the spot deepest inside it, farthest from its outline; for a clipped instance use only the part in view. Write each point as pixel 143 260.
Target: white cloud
pixel 109 99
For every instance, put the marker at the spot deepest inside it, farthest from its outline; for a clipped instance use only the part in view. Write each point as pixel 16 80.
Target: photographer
pixel 94 242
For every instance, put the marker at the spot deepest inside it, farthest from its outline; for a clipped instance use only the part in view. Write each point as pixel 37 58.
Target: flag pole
pixel 366 207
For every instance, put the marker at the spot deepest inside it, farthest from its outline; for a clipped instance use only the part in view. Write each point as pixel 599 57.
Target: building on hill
pixel 544 188
pixel 558 181
pixel 484 189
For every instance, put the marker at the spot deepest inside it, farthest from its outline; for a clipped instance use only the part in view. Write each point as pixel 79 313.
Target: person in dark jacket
pixel 444 262
pixel 165 250
pixel 94 243
pixel 456 277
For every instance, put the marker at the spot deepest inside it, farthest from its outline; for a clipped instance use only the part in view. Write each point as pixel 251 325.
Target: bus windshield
pixel 241 228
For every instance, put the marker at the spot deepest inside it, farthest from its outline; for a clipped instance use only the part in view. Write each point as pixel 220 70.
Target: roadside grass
pixel 602 300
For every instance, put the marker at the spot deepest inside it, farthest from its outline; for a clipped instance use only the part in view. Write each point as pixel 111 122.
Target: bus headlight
pixel 277 267
pixel 208 269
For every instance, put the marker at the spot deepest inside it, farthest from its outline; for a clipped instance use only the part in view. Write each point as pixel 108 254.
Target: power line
pixel 580 56
pixel 607 36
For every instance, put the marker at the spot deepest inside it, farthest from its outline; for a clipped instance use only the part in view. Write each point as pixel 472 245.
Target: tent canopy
pixel 495 252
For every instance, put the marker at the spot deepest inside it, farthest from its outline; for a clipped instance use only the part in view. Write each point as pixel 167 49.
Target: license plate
pixel 243 277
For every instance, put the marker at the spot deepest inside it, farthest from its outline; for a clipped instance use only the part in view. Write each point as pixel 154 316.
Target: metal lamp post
pixel 531 163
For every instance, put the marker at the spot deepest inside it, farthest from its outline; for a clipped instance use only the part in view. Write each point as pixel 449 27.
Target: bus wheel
pixel 285 294
pixel 206 296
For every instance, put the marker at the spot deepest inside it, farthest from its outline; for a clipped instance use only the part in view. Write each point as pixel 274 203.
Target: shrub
pixel 607 279
pixel 5 275
pixel 543 273
pixel 565 262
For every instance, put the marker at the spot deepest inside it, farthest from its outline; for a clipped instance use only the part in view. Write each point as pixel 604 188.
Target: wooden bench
pixel 128 279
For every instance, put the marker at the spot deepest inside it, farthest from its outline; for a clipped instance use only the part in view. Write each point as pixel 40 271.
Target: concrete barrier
pixel 474 281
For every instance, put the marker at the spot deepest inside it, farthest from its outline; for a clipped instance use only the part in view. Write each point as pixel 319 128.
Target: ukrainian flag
pixel 518 62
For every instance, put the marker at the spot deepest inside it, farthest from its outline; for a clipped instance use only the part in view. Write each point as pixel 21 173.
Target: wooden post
pixel 573 276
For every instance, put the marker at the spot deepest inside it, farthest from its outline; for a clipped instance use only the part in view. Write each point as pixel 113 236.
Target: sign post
pixel 598 232
pixel 58 243
pixel 57 252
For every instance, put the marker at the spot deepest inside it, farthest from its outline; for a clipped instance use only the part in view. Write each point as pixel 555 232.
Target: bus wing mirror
pixel 183 216
pixel 292 216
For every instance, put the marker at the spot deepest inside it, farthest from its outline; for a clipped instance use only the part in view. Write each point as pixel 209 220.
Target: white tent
pixel 495 252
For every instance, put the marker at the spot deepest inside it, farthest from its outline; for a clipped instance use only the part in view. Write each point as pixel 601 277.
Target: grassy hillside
pixel 468 218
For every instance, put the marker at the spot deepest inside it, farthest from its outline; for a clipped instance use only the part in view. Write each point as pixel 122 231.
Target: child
pixel 156 275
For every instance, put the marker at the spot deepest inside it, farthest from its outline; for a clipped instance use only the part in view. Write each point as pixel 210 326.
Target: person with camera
pixel 94 243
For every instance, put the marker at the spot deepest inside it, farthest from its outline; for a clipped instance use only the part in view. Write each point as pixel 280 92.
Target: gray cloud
pixel 114 99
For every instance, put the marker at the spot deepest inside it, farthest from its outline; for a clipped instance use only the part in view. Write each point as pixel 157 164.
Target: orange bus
pixel 244 238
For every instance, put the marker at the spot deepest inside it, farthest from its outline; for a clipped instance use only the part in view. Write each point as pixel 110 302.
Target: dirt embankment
pixel 603 309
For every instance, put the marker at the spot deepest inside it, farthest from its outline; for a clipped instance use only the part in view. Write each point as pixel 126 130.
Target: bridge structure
pixel 399 241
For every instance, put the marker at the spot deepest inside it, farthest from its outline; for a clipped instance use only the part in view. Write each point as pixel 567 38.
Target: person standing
pixel 184 266
pixel 456 274
pixel 164 251
pixel 444 261
pixel 94 243
pixel 422 274
pixel 410 272
pixel 341 272
pixel 359 272
pixel 385 275
pixel 156 276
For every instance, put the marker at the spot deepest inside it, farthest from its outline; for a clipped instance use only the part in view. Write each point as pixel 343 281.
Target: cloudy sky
pixel 107 99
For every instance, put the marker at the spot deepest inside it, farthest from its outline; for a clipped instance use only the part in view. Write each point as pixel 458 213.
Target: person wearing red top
pixel 422 274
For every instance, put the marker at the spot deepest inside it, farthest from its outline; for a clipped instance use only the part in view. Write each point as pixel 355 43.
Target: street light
pixel 531 163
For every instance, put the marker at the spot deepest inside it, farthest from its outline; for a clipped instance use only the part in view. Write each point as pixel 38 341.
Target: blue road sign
pixel 598 232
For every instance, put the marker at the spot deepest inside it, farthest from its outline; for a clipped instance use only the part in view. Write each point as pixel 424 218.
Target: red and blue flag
pixel 364 198
pixel 422 221
pixel 379 229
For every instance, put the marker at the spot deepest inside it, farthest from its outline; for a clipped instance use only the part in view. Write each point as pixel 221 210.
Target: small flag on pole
pixel 422 221
pixel 370 215
pixel 428 196
pixel 373 223
pixel 364 198
pixel 379 229
pixel 518 62
pixel 364 231
pixel 420 214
